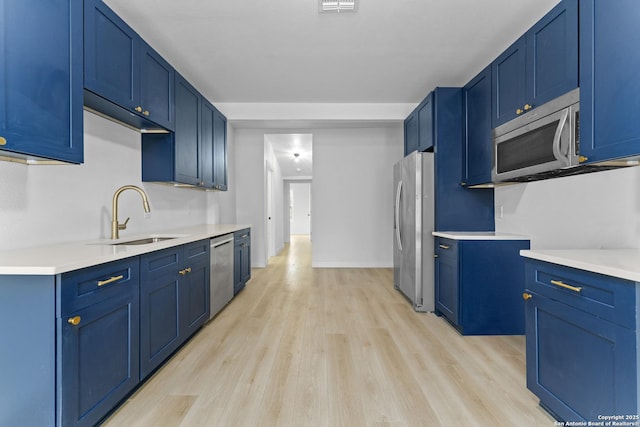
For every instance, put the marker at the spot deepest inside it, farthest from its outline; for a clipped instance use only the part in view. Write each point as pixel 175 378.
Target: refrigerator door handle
pixel 397 212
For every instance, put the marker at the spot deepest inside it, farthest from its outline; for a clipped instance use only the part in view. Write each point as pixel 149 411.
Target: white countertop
pixel 622 263
pixel 477 235
pixel 55 259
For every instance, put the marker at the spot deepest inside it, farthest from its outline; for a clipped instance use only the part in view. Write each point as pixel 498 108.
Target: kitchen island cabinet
pixel 479 280
pixel 539 66
pixel 124 77
pixel 581 336
pixel 41 81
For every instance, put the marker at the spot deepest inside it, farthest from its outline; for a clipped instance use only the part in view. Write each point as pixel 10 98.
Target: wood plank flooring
pixel 334 347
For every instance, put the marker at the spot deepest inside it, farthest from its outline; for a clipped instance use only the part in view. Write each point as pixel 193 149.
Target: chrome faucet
pixel 115 225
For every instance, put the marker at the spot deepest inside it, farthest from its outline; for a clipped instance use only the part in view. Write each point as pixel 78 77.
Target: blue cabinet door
pixel 426 139
pixel 552 54
pixel 411 133
pixel 194 287
pixel 241 259
pixel 447 279
pixel 98 340
pixel 219 151
pixel 156 88
pixel 456 207
pixel 477 149
pixel 509 92
pixel 112 50
pixel 159 307
pixel 41 80
pixel 580 366
pixel 609 84
pixel 187 166
pixel 540 66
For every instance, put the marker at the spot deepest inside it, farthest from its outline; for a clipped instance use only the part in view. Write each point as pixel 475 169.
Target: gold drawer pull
pixel 146 113
pixel 75 321
pixel 443 246
pixel 138 109
pixel 110 280
pixel 185 271
pixel 564 285
pixel 3 141
pixel 526 296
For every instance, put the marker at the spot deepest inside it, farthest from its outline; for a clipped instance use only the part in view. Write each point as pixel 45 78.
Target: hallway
pixel 333 347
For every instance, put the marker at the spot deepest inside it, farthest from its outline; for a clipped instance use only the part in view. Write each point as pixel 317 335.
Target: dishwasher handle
pixel 215 243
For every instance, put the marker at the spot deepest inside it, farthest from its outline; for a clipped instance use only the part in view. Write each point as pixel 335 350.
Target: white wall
pixel 42 205
pixel 277 219
pixel 352 201
pixel 598 210
pixel 301 208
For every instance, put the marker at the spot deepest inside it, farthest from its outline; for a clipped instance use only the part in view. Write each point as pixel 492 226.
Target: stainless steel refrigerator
pixel 412 227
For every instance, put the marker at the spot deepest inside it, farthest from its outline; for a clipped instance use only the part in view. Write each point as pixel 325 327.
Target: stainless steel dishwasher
pixel 221 272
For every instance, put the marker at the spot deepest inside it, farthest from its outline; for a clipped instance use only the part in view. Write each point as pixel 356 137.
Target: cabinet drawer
pixel 446 247
pixel 160 262
pixel 81 288
pixel 196 250
pixel 242 235
pixel 606 297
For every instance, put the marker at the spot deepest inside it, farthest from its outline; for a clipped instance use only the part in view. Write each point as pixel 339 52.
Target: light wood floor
pixel 334 347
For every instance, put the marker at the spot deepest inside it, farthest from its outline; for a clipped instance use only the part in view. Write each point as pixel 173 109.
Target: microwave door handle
pixel 397 212
pixel 557 138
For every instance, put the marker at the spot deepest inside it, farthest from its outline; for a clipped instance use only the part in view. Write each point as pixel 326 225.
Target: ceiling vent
pixel 327 6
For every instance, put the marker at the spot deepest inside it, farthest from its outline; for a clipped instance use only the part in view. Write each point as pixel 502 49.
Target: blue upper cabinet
pixel 411 133
pixel 456 207
pixel 195 154
pixel 609 84
pixel 418 127
pixel 41 80
pixel 477 145
pixel 539 66
pixel 125 78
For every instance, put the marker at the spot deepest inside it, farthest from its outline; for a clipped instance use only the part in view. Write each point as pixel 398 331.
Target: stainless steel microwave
pixel 542 143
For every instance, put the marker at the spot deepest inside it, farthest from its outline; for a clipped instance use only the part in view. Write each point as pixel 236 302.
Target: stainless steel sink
pixel 144 241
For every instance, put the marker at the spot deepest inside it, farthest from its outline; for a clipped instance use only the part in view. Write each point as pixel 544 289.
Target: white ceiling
pixel 284 147
pixel 284 51
pixel 258 51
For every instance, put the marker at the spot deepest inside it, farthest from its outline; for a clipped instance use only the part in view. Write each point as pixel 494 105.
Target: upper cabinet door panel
pixel 41 79
pixel 111 47
pixel 425 124
pixel 411 133
pixel 156 88
pixel 477 147
pixel 206 143
pixel 187 152
pixel 552 54
pixel 508 73
pixel 219 151
pixel 609 84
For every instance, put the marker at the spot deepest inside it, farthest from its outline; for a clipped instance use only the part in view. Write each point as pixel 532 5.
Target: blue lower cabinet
pixel 581 344
pixel 241 259
pixel 174 300
pixel 479 285
pixel 99 344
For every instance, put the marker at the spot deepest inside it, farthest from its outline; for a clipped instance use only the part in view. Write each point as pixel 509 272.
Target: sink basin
pixel 143 241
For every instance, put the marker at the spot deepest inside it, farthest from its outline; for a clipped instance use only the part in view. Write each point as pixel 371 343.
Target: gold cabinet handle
pixel 138 109
pixel 3 141
pixel 526 296
pixel 527 107
pixel 185 271
pixel 110 280
pixel 146 113
pixel 519 111
pixel 188 269
pixel 582 159
pixel 564 285
pixel 443 246
pixel 75 321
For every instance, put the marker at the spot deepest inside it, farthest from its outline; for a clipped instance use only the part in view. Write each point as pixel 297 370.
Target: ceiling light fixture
pixel 337 6
pixel 296 157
